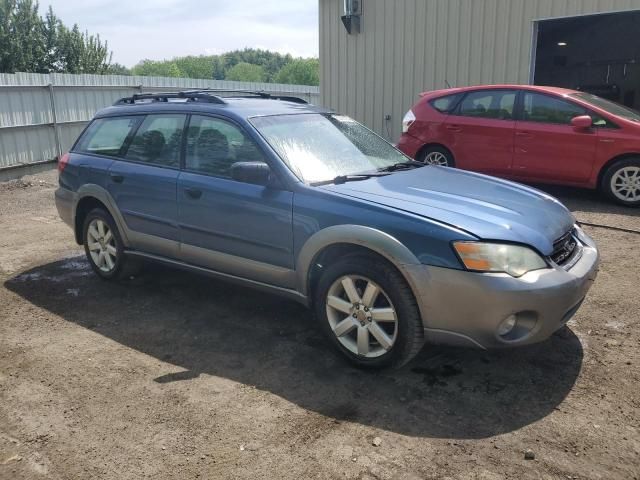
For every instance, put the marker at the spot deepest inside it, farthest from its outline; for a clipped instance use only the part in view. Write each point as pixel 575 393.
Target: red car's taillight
pixel 407 121
pixel 62 162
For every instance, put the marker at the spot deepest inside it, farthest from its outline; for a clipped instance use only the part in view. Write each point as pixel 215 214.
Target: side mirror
pixel 257 173
pixel 582 122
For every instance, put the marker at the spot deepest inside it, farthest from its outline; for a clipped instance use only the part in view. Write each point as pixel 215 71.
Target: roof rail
pixel 190 96
pixel 255 93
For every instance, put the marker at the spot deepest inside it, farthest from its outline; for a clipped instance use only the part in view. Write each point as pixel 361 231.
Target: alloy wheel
pixel 102 245
pixel 361 316
pixel 436 158
pixel 625 184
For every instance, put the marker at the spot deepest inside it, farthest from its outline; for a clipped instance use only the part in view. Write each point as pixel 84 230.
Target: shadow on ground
pixel 585 200
pixel 207 327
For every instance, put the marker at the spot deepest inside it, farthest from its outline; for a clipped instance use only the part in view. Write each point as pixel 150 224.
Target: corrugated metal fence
pixel 41 115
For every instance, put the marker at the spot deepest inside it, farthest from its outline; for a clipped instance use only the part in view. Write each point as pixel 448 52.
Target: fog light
pixel 507 326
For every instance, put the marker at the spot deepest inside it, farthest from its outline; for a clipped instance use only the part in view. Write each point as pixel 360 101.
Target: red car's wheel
pixel 621 182
pixel 436 156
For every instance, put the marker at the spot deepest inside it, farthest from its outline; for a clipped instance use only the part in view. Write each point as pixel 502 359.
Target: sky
pixel 163 29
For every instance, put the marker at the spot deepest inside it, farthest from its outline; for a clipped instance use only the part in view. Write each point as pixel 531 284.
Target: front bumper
pixel 466 309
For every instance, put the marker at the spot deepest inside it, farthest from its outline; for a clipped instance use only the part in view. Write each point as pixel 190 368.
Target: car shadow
pixel 585 200
pixel 208 327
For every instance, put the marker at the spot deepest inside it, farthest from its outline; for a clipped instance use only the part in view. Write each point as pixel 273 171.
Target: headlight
pixel 583 237
pixel 495 257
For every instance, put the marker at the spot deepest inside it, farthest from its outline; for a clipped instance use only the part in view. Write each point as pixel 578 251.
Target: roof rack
pixel 205 95
pixel 189 96
pixel 255 93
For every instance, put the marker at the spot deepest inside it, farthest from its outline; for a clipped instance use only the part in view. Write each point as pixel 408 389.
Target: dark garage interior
pixel 599 54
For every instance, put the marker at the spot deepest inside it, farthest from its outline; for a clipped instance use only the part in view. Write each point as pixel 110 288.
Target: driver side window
pixel 213 145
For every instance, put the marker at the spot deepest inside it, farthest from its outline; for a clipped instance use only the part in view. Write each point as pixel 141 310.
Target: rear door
pixel 229 226
pixel 480 131
pixel 547 146
pixel 144 182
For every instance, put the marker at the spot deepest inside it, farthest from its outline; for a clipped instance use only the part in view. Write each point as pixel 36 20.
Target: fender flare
pixel 101 194
pixel 376 240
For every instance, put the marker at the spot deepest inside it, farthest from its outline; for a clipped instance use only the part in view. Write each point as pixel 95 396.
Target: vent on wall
pixel 352 15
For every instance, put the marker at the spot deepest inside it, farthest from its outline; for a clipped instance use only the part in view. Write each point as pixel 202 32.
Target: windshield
pixel 608 106
pixel 320 147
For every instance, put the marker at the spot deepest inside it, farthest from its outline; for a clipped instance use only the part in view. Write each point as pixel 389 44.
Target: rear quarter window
pixel 445 104
pixel 107 136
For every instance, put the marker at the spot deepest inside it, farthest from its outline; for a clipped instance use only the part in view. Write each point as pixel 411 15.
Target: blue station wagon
pixel 276 194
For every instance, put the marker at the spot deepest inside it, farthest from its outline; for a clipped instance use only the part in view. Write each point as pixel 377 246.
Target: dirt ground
pixel 174 376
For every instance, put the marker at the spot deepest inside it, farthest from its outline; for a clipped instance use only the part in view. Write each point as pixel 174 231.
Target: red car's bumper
pixel 409 145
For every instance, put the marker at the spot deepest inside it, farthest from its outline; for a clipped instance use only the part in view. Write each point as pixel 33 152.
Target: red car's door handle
pixel 454 128
pixel 524 135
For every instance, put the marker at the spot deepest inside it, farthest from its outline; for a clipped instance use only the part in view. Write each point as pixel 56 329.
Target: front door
pixel 547 146
pixel 480 131
pixel 232 227
pixel 144 184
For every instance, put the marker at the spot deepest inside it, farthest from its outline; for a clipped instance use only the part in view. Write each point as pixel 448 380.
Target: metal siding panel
pixel 26 133
pixel 411 46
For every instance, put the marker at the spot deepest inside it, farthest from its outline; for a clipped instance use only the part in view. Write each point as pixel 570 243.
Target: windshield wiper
pixel 357 177
pixel 409 165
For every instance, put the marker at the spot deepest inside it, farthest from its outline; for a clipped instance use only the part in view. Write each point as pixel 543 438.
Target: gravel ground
pixel 173 376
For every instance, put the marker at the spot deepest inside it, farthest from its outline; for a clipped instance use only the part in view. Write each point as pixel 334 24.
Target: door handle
pixel 454 128
pixel 193 192
pixel 117 178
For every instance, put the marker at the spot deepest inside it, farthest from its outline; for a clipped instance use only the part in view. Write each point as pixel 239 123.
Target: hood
pixel 487 207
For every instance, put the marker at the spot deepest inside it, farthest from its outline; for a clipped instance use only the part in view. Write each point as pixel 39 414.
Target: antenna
pixel 447 83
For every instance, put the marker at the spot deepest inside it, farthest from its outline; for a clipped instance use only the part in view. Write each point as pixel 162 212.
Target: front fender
pixel 376 240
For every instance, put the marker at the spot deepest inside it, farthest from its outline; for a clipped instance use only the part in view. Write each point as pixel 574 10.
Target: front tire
pixel 436 155
pixel 368 311
pixel 103 245
pixel 621 182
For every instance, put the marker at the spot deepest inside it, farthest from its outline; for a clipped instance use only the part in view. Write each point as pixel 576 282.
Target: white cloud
pixel 160 29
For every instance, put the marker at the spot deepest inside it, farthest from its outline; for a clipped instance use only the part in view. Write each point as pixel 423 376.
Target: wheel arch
pixel 332 242
pixel 606 166
pixel 92 196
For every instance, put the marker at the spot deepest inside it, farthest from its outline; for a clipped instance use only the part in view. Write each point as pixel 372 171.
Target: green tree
pixel 245 72
pixel 23 46
pixel 195 66
pixel 29 43
pixel 300 72
pixel 153 68
pixel 271 62
pixel 117 69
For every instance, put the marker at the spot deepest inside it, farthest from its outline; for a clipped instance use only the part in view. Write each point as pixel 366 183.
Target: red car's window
pixel 546 109
pixel 494 104
pixel 446 104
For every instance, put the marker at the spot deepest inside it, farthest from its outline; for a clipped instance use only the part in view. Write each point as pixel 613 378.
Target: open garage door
pixel 599 54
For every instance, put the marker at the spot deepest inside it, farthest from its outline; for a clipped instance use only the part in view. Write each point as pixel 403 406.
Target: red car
pixel 529 134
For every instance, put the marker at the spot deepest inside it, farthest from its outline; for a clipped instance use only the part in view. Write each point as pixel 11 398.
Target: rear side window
pixel 158 140
pixel 445 104
pixel 107 136
pixel 494 104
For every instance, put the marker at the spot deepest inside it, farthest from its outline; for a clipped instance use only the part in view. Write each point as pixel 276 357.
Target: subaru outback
pixel 272 193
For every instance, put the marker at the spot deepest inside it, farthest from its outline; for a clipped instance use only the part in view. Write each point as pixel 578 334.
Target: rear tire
pixel 621 182
pixel 380 311
pixel 436 155
pixel 104 248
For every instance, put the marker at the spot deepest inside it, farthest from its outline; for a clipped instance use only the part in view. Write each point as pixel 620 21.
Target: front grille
pixel 566 250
